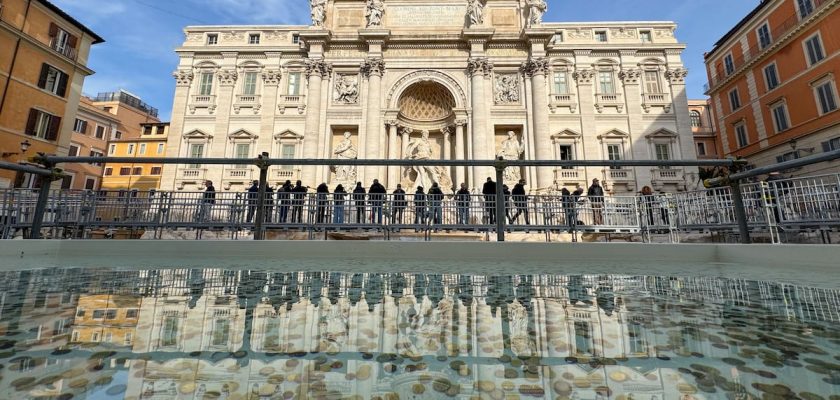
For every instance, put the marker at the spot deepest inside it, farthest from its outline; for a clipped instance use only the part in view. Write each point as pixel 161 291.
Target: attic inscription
pixel 430 15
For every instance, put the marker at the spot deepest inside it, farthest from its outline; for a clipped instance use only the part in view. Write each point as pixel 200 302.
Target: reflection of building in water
pixel 107 319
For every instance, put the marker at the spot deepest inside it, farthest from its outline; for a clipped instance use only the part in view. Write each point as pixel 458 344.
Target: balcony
pixel 563 100
pixel 650 100
pixel 620 176
pixel 64 50
pixel 292 101
pixel 661 176
pixel 286 174
pixel 603 100
pixel 569 176
pixel 202 101
pixel 251 101
pixel 242 174
pixel 192 173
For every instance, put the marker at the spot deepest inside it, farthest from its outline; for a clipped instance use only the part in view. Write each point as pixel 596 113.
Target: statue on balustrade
pixel 425 175
pixel 375 11
pixel 475 13
pixel 536 10
pixel 346 174
pixel 319 12
pixel 512 150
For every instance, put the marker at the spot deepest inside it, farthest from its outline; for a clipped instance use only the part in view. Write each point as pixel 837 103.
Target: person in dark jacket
pixel 520 200
pixel 322 199
pixel 339 196
pixel 284 194
pixel 489 192
pixel 399 205
pixel 506 193
pixel 253 199
pixel 359 202
pixel 376 197
pixel 595 194
pixel 419 206
pixel 436 204
pixel 568 208
pixel 462 205
pixel 268 201
pixel 208 199
pixel 298 198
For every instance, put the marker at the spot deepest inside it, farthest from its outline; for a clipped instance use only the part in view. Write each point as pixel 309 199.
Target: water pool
pixel 272 328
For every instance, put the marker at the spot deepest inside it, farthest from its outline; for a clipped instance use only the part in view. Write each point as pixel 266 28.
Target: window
pixel 142 150
pixel 734 100
pixel 132 313
pixel 566 154
pixel 53 80
pixel 67 182
pixel 169 333
pixel 125 171
pixel 271 338
pixel 764 38
pixel 98 314
pixel 652 82
pixel 780 117
pixel 100 132
pixel 741 135
pixel 294 84
pixel 111 314
pixel 605 82
pixel 212 39
pixel 75 336
pixel 254 38
pixel 635 332
pixel 90 184
pixel 287 152
pixel 80 126
pixel 696 119
pixel 249 86
pixel 729 64
pixel 43 125
pixel 701 149
pixel 137 171
pixel 160 148
pixel 131 149
pixel 771 76
pixel 826 96
pixel 147 130
pixel 242 150
pixel 814 49
pixel 128 339
pixel 663 151
pixel 831 145
pixel 112 149
pixel 601 36
pixel 789 156
pixel 118 135
pixel 80 313
pixel 196 151
pixel 557 38
pixel 614 153
pixel 646 36
pixel 806 7
pixel 155 171
pixel 295 38
pixel 205 86
pixel 74 151
pixel 109 171
pixel 583 337
pixel 561 85
pixel 221 332
pixel 94 337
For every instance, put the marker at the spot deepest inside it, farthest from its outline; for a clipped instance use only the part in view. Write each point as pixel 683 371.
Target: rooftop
pixel 126 98
pixel 96 38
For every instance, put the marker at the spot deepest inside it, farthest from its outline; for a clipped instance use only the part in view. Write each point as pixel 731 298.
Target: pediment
pixel 566 134
pixel 287 134
pixel 662 134
pixel 614 134
pixel 243 134
pixel 198 134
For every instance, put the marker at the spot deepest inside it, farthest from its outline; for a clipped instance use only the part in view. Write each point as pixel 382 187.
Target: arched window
pixel 696 121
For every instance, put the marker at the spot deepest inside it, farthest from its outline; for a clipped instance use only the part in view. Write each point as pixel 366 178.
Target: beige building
pixel 703 129
pixel 370 83
pixel 91 129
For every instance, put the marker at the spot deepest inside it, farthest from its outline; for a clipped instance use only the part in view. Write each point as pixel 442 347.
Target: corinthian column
pixel 374 68
pixel 315 71
pixel 393 154
pixel 460 153
pixel 479 69
pixel 537 68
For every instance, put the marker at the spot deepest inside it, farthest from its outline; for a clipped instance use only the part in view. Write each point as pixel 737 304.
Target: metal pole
pixel 501 214
pixel 740 212
pixel 40 207
pixel 259 232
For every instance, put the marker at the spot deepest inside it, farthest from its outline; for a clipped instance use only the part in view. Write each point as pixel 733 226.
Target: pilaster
pixel 676 79
pixel 480 70
pixel 373 69
pixel 537 69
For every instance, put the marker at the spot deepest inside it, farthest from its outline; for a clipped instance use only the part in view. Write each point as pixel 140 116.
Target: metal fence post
pixel 259 233
pixel 41 205
pixel 501 205
pixel 740 212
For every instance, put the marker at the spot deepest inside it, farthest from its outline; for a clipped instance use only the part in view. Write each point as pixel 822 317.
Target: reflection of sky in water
pixel 225 334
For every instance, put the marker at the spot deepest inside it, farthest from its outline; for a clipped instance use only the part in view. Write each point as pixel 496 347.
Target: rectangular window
pixel 566 154
pixel 806 7
pixel 764 38
pixel 663 151
pixel 67 182
pixel 295 38
pixel 701 149
pixel 90 184
pixel 583 337
pixel 43 125
pixel 831 145
pixel 771 76
pixel 53 80
pixel 287 152
pixel 242 150
pixel 94 337
pixel 128 339
pixel 109 171
pixel 734 100
pixel 614 153
pixel 221 332
pixel 826 97
pixel 205 86
pixel 142 150
pixel 112 149
pixel 111 314
pixel 789 156
pixel 561 85
pixel 652 82
pixel 605 82
pixel 160 148
pixel 98 314
pixel 132 313
pixel 125 171
pixel 271 338
pixel 155 171
pixel 100 132
pixel 118 135
pixel 780 117
pixel 646 36
pixel 814 49
pixel 557 38
pixel 147 130
pixel 294 84
pixel 729 64
pixel 212 39
pixel 601 36
pixel 169 333
pixel 74 151
pixel 196 151
pixel 137 171
pixel 638 343
pixel 80 126
pixel 254 38
pixel 249 86
pixel 741 135
pixel 131 149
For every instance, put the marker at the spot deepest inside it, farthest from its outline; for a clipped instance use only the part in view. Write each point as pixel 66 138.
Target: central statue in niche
pixel 425 175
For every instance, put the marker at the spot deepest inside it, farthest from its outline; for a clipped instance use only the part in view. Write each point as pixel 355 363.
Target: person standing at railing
pixel 208 199
pixel 648 201
pixel 419 206
pixel 462 204
pixel 520 200
pixel 775 186
pixel 253 199
pixel 568 208
pixel 323 192
pixel 359 202
pixel 399 205
pixel 376 195
pixel 284 193
pixel 339 196
pixel 595 194
pixel 269 204
pixel 299 197
pixel 436 204
pixel 489 192
pixel 506 193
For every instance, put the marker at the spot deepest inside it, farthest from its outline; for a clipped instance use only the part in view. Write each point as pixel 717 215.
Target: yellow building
pixel 108 319
pixel 131 176
pixel 43 65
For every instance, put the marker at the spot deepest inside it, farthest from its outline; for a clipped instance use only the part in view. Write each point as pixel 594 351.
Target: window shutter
pixel 55 126
pixel 62 84
pixel 53 30
pixel 72 41
pixel 826 146
pixel 42 81
pixel 30 123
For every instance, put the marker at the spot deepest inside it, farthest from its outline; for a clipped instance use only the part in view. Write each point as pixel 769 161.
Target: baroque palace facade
pixel 441 79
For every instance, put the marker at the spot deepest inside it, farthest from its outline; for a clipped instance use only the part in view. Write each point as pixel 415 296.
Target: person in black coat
pixel 595 194
pixel 322 199
pixel 419 206
pixel 339 196
pixel 376 196
pixel 208 199
pixel 283 195
pixel 520 200
pixel 462 205
pixel 489 192
pixel 298 198
pixel 436 204
pixel 268 201
pixel 359 202
pixel 399 205
pixel 506 193
pixel 253 199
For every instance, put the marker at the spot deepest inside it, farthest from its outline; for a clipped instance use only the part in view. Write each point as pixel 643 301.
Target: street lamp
pixel 24 146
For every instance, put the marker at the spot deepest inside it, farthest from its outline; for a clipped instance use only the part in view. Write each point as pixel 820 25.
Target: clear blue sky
pixel 141 34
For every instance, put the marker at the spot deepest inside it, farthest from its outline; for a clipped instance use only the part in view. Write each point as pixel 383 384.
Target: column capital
pixel 393 123
pixel 630 76
pixel 373 66
pixel 183 77
pixel 227 77
pixel 446 130
pixel 535 66
pixel 584 76
pixel 676 76
pixel 318 67
pixel 479 66
pixel 405 131
pixel 460 123
pixel 271 77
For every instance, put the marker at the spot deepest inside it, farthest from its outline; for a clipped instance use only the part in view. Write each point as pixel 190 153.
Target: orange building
pixel 43 65
pixel 107 319
pixel 131 176
pixel 703 129
pixel 772 83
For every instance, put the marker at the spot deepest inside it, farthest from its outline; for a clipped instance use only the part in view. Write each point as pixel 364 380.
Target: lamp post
pixel 24 147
